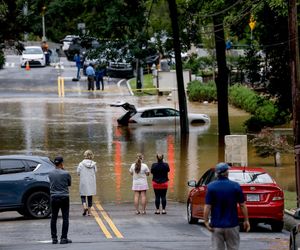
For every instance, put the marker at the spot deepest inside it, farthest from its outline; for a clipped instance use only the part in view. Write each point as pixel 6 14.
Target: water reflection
pixel 51 126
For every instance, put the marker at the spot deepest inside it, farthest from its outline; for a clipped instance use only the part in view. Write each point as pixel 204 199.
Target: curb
pixel 289 220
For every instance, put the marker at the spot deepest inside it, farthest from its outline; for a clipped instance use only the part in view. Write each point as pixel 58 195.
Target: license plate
pixel 252 197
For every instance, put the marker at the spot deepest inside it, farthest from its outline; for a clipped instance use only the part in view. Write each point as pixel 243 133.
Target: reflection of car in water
pixel 159 132
pixel 264 198
pixel 155 115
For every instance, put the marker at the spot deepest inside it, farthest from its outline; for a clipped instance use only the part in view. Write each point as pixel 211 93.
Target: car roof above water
pixel 152 108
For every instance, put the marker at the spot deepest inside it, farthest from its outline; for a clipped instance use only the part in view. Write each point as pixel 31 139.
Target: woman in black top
pixel 160 170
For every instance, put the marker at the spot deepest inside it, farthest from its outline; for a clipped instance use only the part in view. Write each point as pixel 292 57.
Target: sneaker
pixel 65 241
pixel 54 241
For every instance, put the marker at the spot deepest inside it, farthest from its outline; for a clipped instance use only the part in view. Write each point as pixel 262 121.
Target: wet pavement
pixel 116 227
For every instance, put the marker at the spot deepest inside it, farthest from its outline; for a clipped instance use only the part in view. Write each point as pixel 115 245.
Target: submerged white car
pixel 34 55
pixel 156 115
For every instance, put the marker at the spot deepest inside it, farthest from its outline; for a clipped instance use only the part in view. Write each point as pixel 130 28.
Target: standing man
pixel 100 72
pixel 221 200
pixel 60 180
pixel 90 72
pixel 77 60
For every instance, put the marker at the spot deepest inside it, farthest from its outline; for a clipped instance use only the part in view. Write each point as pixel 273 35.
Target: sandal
pixel 157 212
pixel 137 212
pixel 163 212
pixel 144 212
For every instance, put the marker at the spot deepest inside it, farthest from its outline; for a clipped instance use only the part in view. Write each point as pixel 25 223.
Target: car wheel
pixel 191 219
pixel 277 226
pixel 38 205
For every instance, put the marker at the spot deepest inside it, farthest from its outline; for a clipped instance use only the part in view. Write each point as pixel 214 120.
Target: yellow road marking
pixel 101 224
pixel 109 221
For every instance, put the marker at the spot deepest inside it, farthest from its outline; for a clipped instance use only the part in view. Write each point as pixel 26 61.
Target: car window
pixel 12 166
pixel 32 51
pixel 160 113
pixel 147 114
pixel 172 112
pixel 206 178
pixel 250 177
pixel 32 165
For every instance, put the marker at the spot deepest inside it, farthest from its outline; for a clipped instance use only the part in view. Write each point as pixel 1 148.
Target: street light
pixel 43 23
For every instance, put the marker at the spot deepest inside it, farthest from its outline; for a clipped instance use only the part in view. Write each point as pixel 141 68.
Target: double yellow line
pixel 108 220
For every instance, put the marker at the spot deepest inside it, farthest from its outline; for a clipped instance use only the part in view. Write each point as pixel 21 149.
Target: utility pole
pixel 184 125
pixel 43 23
pixel 294 69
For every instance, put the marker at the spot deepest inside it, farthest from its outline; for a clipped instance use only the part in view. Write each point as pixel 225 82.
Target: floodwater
pixel 68 127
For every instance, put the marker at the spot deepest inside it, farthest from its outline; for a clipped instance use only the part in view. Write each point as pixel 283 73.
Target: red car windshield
pixel 250 177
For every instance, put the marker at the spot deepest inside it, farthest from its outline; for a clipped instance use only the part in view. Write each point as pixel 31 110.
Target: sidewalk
pixel 289 220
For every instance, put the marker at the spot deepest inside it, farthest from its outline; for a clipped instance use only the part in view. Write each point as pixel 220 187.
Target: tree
pixel 267 143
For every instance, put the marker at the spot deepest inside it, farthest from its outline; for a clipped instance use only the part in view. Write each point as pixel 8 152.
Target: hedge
pixel 264 112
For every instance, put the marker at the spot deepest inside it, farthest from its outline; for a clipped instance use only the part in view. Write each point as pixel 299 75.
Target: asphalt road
pixel 116 227
pixel 43 81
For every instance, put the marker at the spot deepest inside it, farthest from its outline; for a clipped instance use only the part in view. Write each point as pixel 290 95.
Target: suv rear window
pixel 250 177
pixel 32 165
pixel 12 166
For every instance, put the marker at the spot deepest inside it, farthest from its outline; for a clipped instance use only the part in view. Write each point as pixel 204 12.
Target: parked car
pixel 295 238
pixel 67 41
pixel 120 70
pixel 24 185
pixel 264 198
pixel 155 115
pixel 34 55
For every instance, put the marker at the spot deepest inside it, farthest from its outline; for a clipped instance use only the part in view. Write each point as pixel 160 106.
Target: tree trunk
pixel 295 75
pixel 138 75
pixel 221 79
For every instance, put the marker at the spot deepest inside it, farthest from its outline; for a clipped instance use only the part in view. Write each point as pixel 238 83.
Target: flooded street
pixel 51 126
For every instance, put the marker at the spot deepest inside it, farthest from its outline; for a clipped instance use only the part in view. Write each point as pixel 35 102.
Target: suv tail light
pixel 132 121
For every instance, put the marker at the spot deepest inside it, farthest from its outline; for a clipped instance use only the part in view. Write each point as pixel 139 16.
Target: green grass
pixel 147 89
pixel 290 200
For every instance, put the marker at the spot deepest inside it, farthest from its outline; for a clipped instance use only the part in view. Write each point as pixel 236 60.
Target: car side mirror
pixel 192 183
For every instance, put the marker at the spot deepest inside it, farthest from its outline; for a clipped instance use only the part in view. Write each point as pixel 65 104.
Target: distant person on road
pixel 90 72
pixel 60 180
pixel 100 72
pixel 77 60
pixel 87 171
pixel 160 171
pixel 221 200
pixel 45 48
pixel 139 172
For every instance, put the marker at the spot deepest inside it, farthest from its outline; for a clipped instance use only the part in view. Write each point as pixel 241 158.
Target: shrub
pixel 264 112
pixel 199 92
pixel 2 59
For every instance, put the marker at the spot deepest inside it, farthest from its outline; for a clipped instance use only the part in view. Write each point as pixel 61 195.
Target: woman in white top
pixel 139 172
pixel 87 171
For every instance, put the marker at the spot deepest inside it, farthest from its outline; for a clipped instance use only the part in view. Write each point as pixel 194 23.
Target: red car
pixel 264 198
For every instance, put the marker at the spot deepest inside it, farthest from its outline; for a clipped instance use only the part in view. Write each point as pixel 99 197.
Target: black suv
pixel 24 185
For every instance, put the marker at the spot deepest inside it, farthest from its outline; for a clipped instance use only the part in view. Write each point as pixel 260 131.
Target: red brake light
pixel 278 196
pixel 132 121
